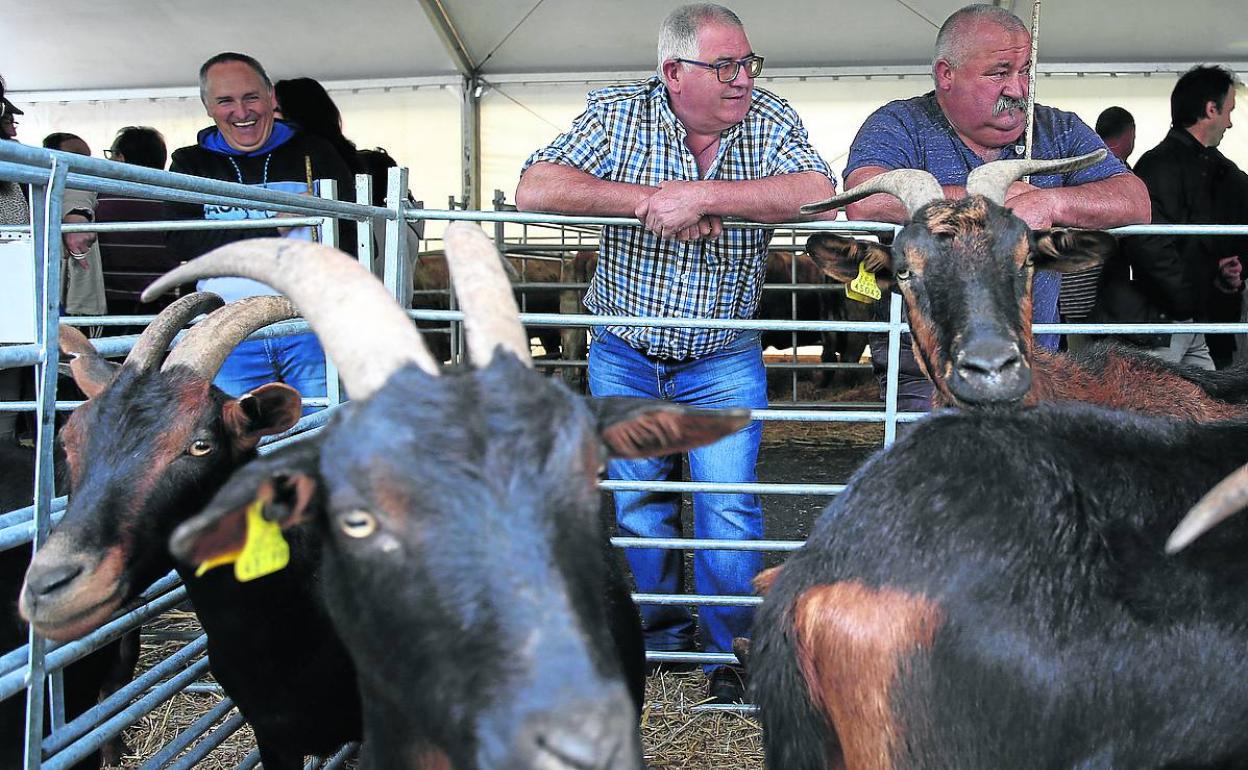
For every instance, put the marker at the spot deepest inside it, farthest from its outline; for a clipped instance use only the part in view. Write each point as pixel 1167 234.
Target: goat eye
pixel 903 275
pixel 358 524
pixel 199 448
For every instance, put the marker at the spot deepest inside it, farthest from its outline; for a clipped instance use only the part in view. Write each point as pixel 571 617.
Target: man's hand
pixel 1018 188
pixel 1034 207
pixel 78 244
pixel 1230 274
pixel 676 210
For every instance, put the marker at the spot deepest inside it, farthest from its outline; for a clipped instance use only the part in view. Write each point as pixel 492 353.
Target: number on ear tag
pixel 863 288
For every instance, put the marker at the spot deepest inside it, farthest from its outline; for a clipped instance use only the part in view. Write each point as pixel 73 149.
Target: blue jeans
pixel 733 377
pixel 297 360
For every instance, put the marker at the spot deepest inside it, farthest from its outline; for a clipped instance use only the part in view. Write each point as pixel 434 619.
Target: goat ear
pixel 286 481
pixel 267 410
pixel 1067 250
pixel 640 427
pixel 91 372
pixel 838 257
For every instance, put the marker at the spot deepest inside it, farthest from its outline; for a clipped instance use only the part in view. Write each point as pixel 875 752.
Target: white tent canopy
pixel 404 72
pixel 122 44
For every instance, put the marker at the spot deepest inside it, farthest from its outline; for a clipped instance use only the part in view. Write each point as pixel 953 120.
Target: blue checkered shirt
pixel 628 133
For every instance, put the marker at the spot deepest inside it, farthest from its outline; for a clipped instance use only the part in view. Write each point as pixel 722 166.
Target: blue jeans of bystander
pixel 297 360
pixel 732 377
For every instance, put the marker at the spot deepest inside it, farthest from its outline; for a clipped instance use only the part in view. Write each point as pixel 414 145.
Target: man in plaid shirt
pixel 679 152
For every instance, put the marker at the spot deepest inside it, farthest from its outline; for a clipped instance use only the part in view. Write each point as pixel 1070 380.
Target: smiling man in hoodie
pixel 249 145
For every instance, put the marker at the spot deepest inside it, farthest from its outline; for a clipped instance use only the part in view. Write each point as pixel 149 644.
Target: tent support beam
pixel 471 88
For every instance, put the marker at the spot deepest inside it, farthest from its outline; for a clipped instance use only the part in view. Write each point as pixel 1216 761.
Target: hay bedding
pixel 674 736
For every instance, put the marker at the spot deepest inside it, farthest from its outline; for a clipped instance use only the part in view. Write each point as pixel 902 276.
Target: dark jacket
pixel 1160 278
pixel 285 164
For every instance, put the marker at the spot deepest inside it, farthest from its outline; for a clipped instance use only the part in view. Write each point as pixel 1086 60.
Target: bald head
pixel 956 40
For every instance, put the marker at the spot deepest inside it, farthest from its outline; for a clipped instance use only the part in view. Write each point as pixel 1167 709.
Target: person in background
pixel 131 259
pixel 305 103
pixel 139 145
pixel 680 151
pixel 13 211
pixel 249 145
pixel 1116 127
pixel 8 119
pixel 1077 299
pixel 81 269
pixel 977 113
pixel 1169 278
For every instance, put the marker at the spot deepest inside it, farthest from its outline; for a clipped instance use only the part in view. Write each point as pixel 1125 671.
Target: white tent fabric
pixel 113 44
pixel 92 67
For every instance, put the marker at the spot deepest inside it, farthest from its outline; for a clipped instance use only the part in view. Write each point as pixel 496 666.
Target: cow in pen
pixel 949 614
pixel 154 440
pixel 466 559
pixel 965 268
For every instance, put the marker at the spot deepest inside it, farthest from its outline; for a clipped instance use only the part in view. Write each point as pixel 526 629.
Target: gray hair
pixel 678 37
pixel 953 43
pixel 229 56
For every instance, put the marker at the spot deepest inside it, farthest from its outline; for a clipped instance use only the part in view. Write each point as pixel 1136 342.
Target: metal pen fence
pixel 35 667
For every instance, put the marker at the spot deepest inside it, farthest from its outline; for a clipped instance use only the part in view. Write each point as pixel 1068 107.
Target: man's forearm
pixel 771 199
pixel 1119 200
pixel 565 190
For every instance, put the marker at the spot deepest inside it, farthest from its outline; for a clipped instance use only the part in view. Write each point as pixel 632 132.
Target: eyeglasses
pixel 727 71
pixel 111 154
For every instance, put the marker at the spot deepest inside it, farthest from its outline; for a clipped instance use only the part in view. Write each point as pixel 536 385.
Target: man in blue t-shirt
pixel 976 114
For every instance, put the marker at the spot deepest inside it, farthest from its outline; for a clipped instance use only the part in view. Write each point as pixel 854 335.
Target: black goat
pixel 1021 613
pixel 965 268
pixel 147 450
pixel 466 559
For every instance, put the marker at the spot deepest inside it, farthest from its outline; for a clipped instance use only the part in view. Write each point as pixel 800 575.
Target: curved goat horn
pixel 913 187
pixel 992 180
pixel 360 325
pixel 1223 501
pixel 150 348
pixel 205 346
pixel 491 318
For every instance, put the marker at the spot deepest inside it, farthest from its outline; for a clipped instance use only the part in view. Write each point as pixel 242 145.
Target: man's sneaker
pixel 726 685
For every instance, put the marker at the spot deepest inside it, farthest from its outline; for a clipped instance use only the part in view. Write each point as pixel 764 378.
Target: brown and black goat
pixel 965 268
pixel 147 450
pixel 1019 611
pixel 466 557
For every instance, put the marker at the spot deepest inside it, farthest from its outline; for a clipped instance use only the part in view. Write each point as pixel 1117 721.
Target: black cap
pixel 11 109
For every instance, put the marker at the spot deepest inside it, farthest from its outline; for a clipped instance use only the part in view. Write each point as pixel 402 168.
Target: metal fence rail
pixel 29 667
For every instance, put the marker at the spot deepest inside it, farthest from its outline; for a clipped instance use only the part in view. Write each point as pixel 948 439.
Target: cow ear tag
pixel 264 551
pixel 863 288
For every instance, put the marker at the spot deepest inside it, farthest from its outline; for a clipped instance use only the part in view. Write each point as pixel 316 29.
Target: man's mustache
pixel 1008 103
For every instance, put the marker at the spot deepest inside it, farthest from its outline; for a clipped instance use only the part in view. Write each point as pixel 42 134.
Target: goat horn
pixel 913 187
pixel 491 318
pixel 150 348
pixel 360 325
pixel 1220 503
pixel 992 180
pixel 205 346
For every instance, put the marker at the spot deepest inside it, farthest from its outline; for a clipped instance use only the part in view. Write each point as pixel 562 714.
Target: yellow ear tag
pixel 863 288
pixel 264 552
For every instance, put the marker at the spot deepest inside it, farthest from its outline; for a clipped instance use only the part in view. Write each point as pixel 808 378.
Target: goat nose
pixel 988 360
pixel 601 736
pixel 43 582
pixel 990 371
